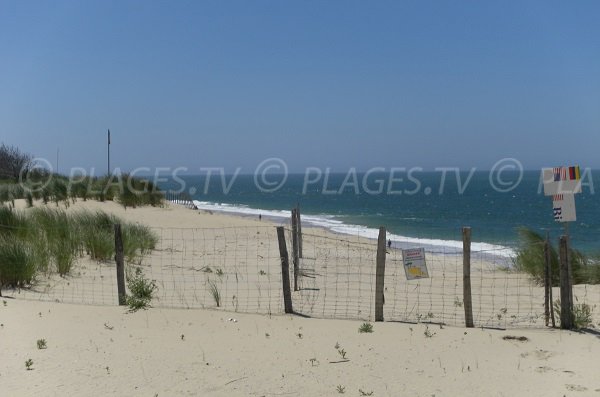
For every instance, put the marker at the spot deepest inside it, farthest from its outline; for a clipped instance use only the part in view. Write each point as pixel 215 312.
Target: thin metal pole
pixel 108 148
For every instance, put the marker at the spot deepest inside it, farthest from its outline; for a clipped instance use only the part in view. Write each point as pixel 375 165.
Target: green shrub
pixel 365 328
pixel 142 291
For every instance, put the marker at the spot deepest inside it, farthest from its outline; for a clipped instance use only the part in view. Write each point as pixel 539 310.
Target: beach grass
pixel 530 259
pixel 128 190
pixel 50 240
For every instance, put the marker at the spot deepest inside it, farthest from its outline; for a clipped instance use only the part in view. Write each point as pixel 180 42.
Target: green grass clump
pixel 365 328
pixel 17 263
pixel 128 190
pixel 215 292
pixel 582 314
pixel 530 259
pixel 138 240
pixel 141 289
pixel 50 240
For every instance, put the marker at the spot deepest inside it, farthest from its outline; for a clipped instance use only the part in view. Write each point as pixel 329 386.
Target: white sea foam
pixel 337 226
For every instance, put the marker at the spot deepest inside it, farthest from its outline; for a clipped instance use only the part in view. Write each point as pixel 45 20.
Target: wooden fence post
pixel 547 281
pixel 285 271
pixel 380 275
pixel 299 228
pixel 566 288
pixel 119 259
pixel 467 302
pixel 548 284
pixel 295 255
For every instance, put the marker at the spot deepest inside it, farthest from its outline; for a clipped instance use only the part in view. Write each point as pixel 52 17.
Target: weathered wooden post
pixel 299 227
pixel 295 253
pixel 467 302
pixel 380 274
pixel 566 288
pixel 547 281
pixel 285 270
pixel 548 284
pixel 119 259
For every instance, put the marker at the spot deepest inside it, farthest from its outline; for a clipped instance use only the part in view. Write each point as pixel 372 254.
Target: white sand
pixel 262 355
pixel 146 355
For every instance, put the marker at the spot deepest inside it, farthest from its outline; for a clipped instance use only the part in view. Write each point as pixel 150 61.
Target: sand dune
pixel 101 349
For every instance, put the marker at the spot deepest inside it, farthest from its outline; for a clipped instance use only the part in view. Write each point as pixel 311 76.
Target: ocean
pixel 427 208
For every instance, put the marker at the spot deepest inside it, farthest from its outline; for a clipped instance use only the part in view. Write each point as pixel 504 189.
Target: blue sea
pixel 419 207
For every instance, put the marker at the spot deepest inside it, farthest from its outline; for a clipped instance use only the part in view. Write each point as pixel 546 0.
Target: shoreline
pixel 332 225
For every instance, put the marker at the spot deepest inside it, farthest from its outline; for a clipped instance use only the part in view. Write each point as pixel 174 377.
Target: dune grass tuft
pixel 50 240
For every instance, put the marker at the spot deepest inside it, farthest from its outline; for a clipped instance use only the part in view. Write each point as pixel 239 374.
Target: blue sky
pixel 339 84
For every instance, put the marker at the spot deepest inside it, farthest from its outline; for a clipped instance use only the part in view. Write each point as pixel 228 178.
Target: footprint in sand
pixel 575 387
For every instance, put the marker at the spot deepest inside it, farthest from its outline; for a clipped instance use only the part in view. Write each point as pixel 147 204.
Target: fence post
pixel 119 259
pixel 380 275
pixel 548 284
pixel 299 229
pixel 547 281
pixel 295 255
pixel 467 302
pixel 285 271
pixel 566 288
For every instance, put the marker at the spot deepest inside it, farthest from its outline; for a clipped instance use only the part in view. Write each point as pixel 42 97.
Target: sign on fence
pixel 563 207
pixel 414 263
pixel 562 183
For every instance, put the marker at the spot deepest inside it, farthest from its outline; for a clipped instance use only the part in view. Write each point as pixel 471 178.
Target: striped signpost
pixel 563 183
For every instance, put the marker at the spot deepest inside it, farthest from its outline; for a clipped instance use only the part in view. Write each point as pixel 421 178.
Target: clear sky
pixel 316 83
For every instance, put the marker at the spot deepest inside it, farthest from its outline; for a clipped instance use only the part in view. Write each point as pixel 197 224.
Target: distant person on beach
pixel 389 243
pixel 260 217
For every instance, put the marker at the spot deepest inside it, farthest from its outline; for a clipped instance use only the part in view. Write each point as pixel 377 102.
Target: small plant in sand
pixel 341 351
pixel 142 291
pixel 262 273
pixel 365 393
pixel 4 303
pixel 428 333
pixel 365 328
pixel 214 292
pixel 582 314
pixel 29 364
pixel 219 272
pixel 41 344
pixel 340 389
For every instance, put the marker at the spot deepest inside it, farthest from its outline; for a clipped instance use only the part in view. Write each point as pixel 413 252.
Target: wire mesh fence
pixel 238 269
pixel 337 280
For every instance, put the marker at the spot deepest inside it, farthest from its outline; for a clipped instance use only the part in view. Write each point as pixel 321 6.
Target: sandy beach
pixel 185 345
